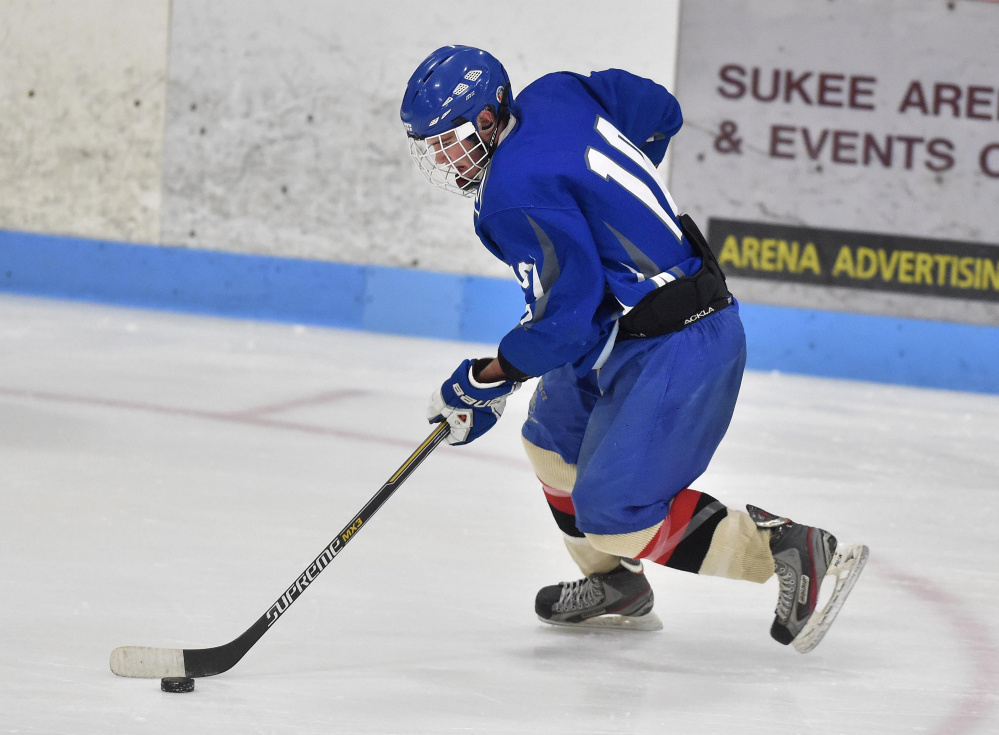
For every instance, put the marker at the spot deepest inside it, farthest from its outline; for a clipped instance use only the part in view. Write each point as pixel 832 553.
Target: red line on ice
pixel 976 704
pixel 249 418
pixel 320 398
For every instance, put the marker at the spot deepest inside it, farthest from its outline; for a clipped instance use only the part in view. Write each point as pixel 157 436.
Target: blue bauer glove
pixel 470 407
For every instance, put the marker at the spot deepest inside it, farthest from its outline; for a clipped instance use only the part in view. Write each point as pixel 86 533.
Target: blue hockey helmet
pixel 453 82
pixel 443 99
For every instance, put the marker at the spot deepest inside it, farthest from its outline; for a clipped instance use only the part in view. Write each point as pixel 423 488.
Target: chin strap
pixel 503 118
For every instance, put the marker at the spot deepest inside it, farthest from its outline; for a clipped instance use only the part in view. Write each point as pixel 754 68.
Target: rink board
pixel 469 308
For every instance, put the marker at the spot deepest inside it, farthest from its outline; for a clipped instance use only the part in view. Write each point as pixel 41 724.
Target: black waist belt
pixel 680 303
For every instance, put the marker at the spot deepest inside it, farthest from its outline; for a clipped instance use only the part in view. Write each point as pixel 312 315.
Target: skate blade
pixel 648 622
pixel 846 566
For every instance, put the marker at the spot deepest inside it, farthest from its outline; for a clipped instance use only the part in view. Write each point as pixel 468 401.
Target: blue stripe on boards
pixel 421 303
pixel 470 308
pixel 833 344
pixel 181 279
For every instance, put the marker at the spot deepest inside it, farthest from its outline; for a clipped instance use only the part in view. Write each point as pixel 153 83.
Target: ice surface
pixel 164 478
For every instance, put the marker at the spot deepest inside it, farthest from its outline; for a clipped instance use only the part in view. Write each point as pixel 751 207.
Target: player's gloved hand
pixel 470 407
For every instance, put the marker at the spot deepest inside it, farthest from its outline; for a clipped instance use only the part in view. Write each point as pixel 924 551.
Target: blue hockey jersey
pixel 573 203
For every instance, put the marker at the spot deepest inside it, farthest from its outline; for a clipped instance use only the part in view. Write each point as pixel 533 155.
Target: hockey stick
pixel 153 663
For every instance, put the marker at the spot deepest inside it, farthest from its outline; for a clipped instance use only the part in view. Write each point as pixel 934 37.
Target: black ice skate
pixel 803 556
pixel 621 598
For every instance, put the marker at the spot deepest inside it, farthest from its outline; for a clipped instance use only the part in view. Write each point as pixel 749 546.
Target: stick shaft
pixel 145 662
pixel 347 532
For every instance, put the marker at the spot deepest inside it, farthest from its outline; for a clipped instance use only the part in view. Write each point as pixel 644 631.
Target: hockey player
pixel 629 326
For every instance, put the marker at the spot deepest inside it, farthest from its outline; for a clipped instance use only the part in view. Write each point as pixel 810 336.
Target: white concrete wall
pixel 283 135
pixel 82 96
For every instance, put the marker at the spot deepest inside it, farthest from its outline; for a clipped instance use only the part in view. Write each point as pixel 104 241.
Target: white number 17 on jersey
pixel 607 168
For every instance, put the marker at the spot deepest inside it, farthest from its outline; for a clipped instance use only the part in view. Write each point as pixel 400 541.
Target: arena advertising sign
pixel 856 259
pixel 849 144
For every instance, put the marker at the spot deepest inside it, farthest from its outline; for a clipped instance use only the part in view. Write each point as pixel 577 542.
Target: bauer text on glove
pixel 471 408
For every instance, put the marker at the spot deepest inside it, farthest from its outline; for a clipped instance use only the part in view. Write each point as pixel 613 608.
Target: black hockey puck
pixel 177 684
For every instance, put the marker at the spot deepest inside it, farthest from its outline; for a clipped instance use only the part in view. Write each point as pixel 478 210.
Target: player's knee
pixel 681 538
pixel 628 545
pixel 609 510
pixel 553 471
pixel 557 478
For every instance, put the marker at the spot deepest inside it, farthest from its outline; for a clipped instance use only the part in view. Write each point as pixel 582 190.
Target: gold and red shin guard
pixel 699 534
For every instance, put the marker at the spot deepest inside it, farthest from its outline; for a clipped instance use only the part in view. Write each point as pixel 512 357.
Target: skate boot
pixel 621 598
pixel 803 556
